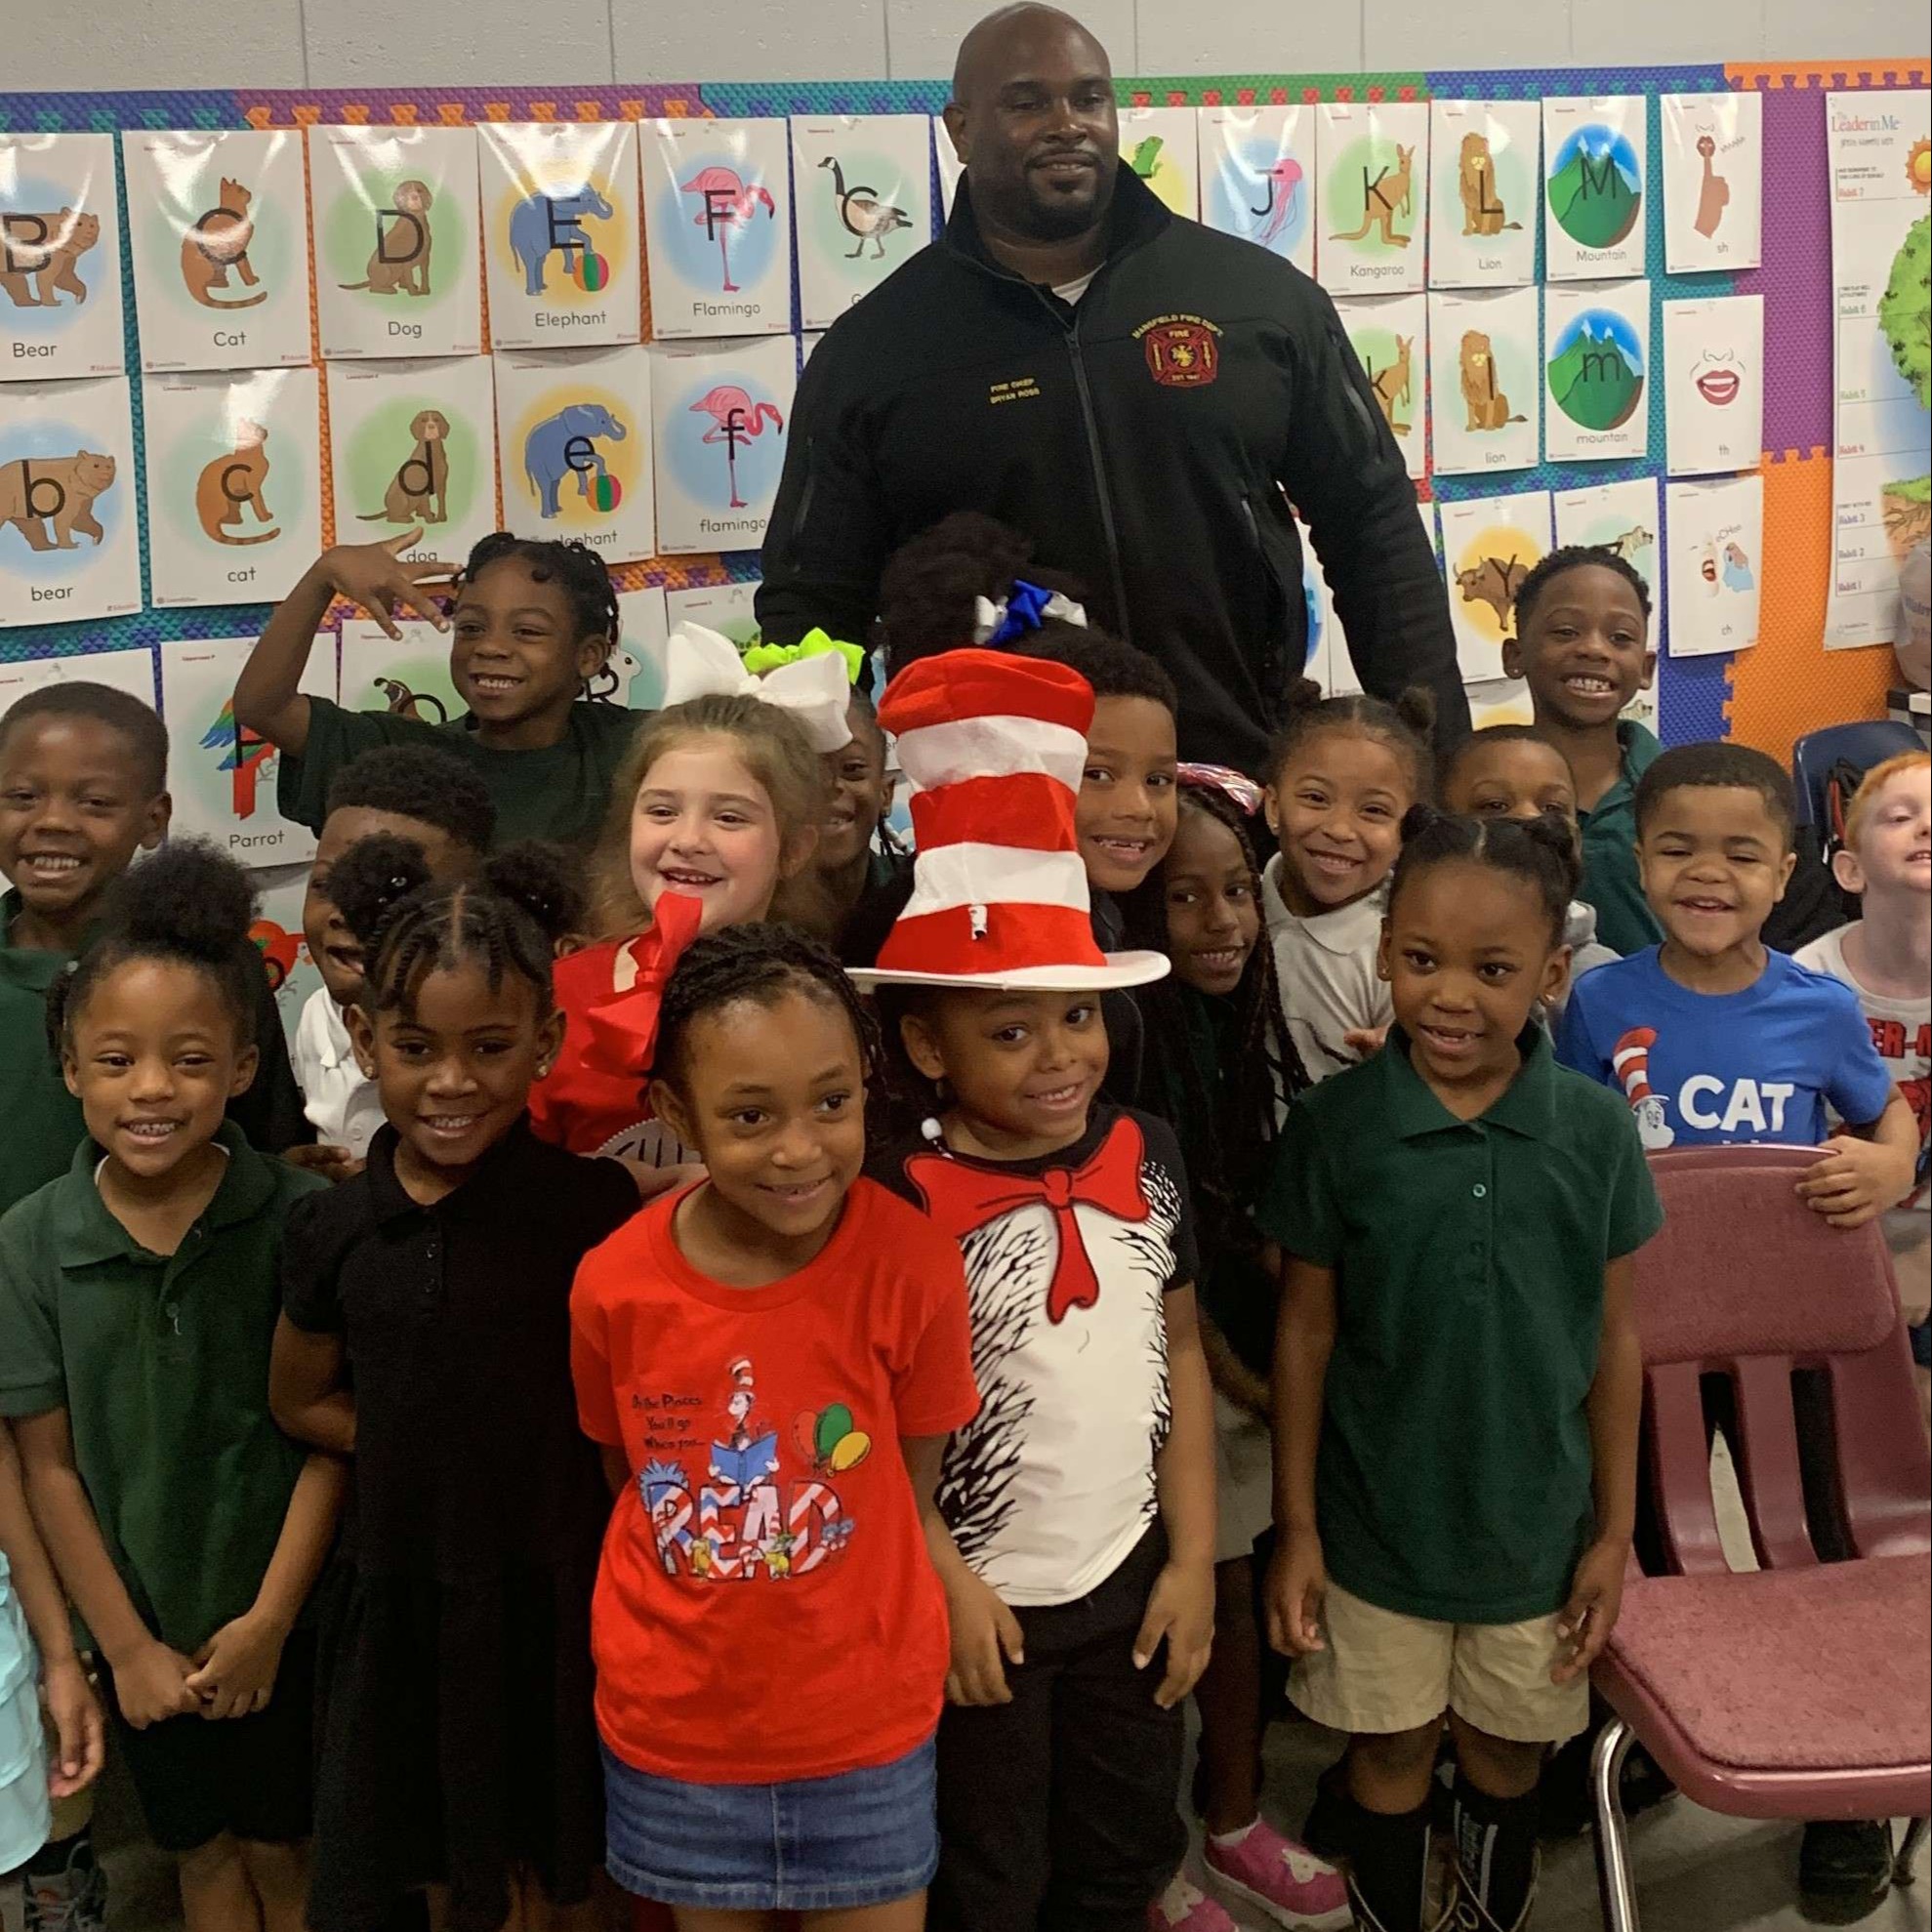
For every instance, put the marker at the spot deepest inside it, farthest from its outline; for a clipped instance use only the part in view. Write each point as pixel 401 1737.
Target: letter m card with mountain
pixel 1593 149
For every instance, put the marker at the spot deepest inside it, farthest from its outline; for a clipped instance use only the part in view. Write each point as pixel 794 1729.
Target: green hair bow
pixel 760 658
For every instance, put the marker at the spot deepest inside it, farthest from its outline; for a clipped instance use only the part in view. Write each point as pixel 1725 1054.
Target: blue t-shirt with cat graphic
pixel 1698 1068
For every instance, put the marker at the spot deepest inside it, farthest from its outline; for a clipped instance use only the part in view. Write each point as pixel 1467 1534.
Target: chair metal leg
pixel 1615 1894
pixel 1902 1872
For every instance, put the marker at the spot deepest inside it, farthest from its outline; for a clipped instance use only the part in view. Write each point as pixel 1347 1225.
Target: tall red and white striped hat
pixel 994 745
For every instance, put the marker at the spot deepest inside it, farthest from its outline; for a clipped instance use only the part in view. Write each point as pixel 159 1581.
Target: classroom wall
pixel 114 44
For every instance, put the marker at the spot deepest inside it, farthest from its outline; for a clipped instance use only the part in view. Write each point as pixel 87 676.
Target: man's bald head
pixel 1032 118
pixel 1005 41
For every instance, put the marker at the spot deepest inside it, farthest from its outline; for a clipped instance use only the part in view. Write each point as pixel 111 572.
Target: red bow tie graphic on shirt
pixel 623 1025
pixel 961 1196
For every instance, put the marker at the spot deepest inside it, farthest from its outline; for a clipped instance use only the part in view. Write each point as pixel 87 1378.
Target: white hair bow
pixel 702 663
pixel 1007 620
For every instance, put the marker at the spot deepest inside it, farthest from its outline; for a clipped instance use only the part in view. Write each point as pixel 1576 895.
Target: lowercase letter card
pixel 561 234
pixel 1258 178
pixel 1713 383
pixel 69 541
pixel 60 258
pixel 220 227
pixel 395 224
pixel 718 228
pixel 1596 364
pixel 1714 545
pixel 1389 334
pixel 1713 180
pixel 1619 517
pixel 1485 381
pixel 413 446
pixel 235 484
pixel 865 205
pixel 720 411
pixel 574 447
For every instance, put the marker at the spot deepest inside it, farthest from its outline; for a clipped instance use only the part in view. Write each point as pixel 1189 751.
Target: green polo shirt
pixel 42 1122
pixel 162 1364
pixel 560 793
pixel 1454 1476
pixel 1625 921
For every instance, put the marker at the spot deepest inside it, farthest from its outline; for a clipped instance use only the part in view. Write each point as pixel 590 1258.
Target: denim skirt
pixel 816 1844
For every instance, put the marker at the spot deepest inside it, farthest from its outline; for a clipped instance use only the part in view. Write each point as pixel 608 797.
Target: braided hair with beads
pixel 574 567
pixel 507 918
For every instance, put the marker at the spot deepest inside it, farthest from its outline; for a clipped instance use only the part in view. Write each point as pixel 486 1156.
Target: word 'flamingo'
pixel 727 203
pixel 734 419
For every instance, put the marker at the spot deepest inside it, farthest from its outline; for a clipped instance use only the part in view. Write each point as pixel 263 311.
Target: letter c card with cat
pixel 235 484
pixel 69 540
pixel 1373 161
pixel 1485 189
pixel 574 447
pixel 394 214
pixel 60 258
pixel 412 445
pixel 561 234
pixel 219 228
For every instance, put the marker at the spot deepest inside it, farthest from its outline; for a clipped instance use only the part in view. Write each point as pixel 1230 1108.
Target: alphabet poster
pixel 1159 144
pixel 1713 383
pixel 220 227
pixel 1486 381
pixel 1715 536
pixel 1375 174
pixel 223 778
pixel 277 933
pixel 574 447
pixel 1326 661
pixel 1593 183
pixel 1485 177
pixel 1489 545
pixel 636 672
pixel 865 205
pixel 729 609
pixel 59 256
pixel 69 542
pixel 951 167
pixel 131 672
pixel 396 241
pixel 1596 349
pixel 414 443
pixel 407 678
pixel 560 234
pixel 235 484
pixel 717 222
pixel 1713 180
pixel 1620 516
pixel 1258 178
pixel 1389 334
pixel 1505 701
pixel 1880 152
pixel 720 412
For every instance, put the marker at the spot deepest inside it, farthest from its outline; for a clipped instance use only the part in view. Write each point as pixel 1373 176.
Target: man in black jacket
pixel 1132 392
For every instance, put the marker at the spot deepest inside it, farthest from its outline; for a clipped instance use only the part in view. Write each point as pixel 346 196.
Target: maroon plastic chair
pixel 1799 1690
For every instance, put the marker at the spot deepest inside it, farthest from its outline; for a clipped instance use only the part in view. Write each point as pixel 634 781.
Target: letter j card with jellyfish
pixel 1258 178
pixel 717 226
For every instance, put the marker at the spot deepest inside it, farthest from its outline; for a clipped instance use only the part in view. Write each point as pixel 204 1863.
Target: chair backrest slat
pixel 1768 1471
pixel 1680 1470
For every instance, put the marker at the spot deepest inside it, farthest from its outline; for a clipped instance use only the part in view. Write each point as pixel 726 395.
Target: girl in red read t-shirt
pixel 773 1360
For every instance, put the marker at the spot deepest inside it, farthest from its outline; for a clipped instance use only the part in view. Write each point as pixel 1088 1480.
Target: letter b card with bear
pixel 60 258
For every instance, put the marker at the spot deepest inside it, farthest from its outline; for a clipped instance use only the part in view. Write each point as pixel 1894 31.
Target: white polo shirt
pixel 1326 970
pixel 340 1104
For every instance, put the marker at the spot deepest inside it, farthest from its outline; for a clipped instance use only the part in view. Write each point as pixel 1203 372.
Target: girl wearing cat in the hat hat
pixel 1076 1544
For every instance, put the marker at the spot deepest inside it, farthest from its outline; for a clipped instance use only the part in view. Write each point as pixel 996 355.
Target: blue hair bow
pixel 1023 610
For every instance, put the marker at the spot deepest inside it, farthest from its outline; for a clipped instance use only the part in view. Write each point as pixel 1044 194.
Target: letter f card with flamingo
pixel 865 205
pixel 717 227
pixel 721 412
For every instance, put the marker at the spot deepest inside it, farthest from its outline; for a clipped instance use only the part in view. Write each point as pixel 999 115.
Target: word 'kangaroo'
pixel 217 242
pixel 1383 198
pixel 233 483
pixel 39 252
pixel 47 498
pixel 400 264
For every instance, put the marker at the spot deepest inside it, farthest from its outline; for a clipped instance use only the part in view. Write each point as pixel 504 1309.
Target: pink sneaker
pixel 1185 1908
pixel 1292 1885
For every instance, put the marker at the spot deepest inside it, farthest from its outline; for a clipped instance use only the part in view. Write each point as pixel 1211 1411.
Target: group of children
pixel 767 1366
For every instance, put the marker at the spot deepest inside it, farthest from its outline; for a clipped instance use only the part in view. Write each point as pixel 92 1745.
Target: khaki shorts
pixel 1243 1479
pixel 1384 1671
